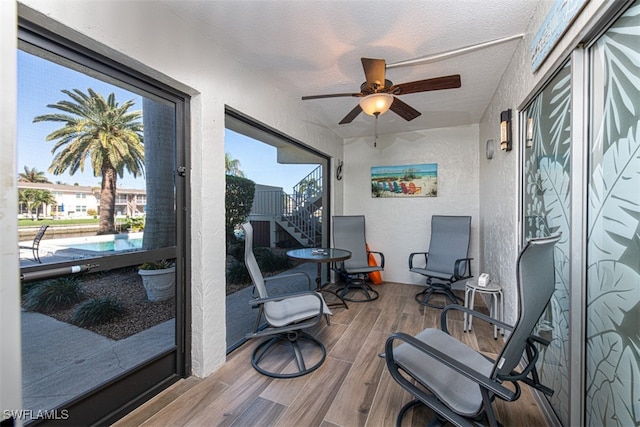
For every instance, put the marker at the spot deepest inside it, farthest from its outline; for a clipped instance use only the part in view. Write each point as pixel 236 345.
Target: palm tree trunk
pixel 159 158
pixel 108 201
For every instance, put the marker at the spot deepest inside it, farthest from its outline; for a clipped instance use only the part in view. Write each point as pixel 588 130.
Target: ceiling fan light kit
pixel 377 103
pixel 378 95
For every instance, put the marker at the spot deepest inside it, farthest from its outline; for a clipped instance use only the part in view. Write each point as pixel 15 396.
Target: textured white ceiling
pixel 314 47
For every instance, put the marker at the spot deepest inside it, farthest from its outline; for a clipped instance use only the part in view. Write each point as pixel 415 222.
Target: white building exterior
pixel 78 201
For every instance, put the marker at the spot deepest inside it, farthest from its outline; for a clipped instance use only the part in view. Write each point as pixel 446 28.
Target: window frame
pixel 120 395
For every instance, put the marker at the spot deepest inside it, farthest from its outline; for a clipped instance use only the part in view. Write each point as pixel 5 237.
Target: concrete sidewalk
pixel 61 361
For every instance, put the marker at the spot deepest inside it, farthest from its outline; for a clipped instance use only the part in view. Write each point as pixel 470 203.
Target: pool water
pixel 109 246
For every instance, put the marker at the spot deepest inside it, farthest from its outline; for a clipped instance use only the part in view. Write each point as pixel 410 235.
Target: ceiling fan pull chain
pixel 375 140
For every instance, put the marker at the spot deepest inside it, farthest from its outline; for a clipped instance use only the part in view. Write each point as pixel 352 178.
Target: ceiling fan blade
pixel 352 115
pixel 438 83
pixel 374 70
pixel 404 110
pixel 331 95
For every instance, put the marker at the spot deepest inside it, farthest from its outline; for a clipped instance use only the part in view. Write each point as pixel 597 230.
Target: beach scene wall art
pixel 405 180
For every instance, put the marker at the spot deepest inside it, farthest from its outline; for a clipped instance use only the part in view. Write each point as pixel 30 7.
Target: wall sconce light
pixel 529 132
pixel 505 130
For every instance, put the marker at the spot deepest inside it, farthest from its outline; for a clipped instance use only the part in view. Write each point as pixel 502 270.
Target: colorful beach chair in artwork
pixel 405 188
pixel 414 189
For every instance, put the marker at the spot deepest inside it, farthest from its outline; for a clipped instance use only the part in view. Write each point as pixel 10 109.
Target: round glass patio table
pixel 321 256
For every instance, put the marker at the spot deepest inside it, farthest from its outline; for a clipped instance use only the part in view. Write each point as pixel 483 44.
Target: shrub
pixel 54 294
pixel 270 261
pixel 238 202
pixel 237 273
pixel 96 311
pixel 133 224
pixel 236 250
pixel 26 287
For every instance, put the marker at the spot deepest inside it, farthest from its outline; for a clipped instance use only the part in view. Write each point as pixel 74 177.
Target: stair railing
pixel 309 187
pixel 301 218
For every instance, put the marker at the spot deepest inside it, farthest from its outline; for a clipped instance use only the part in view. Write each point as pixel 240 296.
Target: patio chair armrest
pixel 301 325
pixel 468 371
pixel 258 301
pixel 286 275
pixel 540 340
pixel 411 255
pixel 381 255
pixel 475 314
pixel 466 272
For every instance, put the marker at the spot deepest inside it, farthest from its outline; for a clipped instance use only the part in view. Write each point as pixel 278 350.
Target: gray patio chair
pixel 35 245
pixel 458 382
pixel 286 315
pixel 349 234
pixel 447 261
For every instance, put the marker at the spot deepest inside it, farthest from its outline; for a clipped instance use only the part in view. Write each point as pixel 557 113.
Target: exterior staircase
pixel 298 214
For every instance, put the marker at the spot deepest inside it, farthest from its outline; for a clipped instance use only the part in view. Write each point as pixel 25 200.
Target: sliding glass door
pixel 101 155
pixel 547 211
pixel 288 209
pixel 594 368
pixel 613 227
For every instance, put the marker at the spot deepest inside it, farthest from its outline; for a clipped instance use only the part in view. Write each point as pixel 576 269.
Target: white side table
pixel 496 308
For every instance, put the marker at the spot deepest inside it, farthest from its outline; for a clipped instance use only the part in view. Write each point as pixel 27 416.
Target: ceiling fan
pixel 379 94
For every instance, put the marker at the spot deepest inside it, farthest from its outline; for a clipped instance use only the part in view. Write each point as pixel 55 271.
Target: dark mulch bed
pixel 125 285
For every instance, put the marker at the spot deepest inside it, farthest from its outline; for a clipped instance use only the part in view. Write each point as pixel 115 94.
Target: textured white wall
pixel 167 48
pixel 399 226
pixel 10 359
pixel 499 178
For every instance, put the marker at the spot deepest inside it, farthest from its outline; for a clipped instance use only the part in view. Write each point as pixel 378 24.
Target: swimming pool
pixel 109 246
pixel 106 243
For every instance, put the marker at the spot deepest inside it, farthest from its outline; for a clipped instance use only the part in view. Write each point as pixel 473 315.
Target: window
pixel 290 183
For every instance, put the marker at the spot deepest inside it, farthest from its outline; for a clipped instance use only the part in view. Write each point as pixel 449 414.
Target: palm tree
pixel 32 175
pixel 27 198
pixel 43 198
pixel 102 131
pixel 33 199
pixel 232 166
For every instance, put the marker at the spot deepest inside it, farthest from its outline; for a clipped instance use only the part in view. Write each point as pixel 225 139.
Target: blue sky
pixel 259 164
pixel 40 83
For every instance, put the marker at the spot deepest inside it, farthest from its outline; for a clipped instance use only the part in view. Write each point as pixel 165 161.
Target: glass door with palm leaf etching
pixel 606 346
pixel 546 211
pixel 612 380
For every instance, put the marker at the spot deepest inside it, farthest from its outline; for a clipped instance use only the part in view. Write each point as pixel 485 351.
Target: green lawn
pixel 77 221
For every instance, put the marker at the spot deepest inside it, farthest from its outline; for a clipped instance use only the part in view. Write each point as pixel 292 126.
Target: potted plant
pixel 158 279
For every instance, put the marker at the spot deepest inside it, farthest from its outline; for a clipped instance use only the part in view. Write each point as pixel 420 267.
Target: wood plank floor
pixel 351 388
